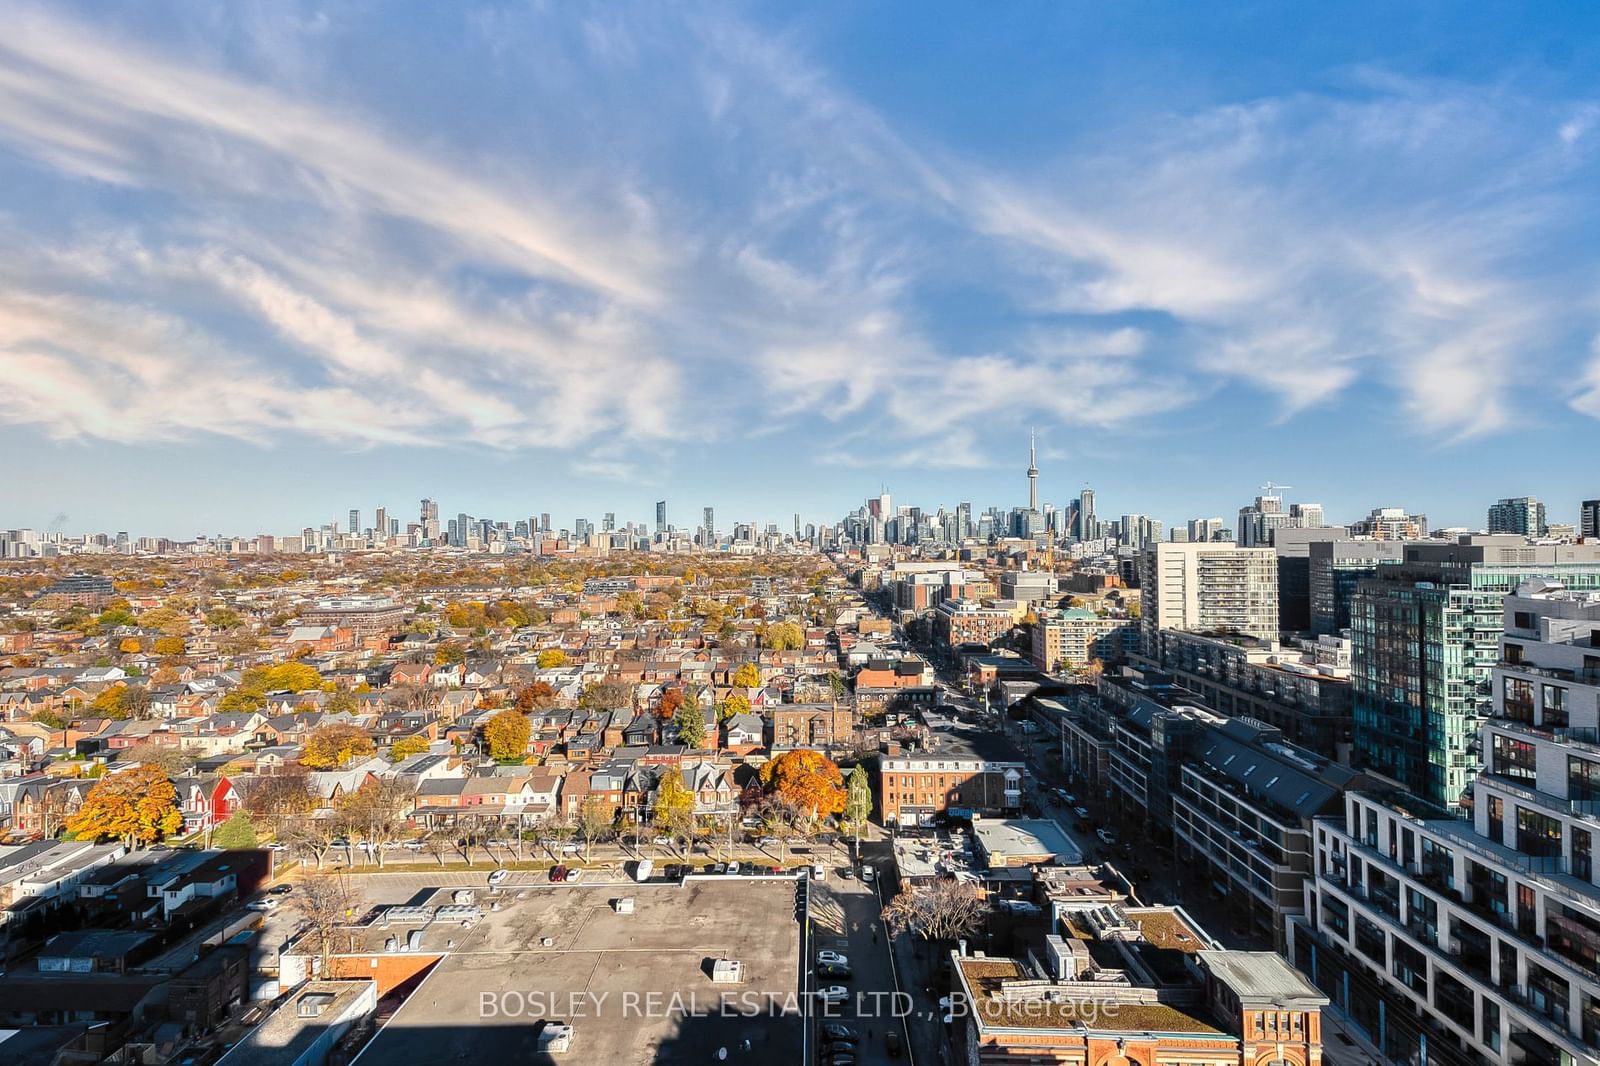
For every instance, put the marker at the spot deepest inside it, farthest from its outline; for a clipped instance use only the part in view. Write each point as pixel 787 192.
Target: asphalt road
pixel 846 919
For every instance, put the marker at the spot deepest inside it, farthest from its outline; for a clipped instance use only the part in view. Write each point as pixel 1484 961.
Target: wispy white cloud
pixel 748 247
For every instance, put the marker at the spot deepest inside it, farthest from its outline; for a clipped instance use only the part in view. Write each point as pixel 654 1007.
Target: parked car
pixel 833 994
pixel 558 873
pixel 1082 813
pixel 892 1043
pixel 733 868
pixel 498 876
pixel 825 957
pixel 834 970
pixel 839 1031
pixel 281 890
pixel 1105 836
pixel 717 868
pixel 867 875
pixel 267 904
pixel 574 875
pixel 847 1040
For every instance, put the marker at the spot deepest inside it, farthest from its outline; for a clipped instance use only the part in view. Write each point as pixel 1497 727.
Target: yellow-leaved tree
pixel 507 734
pixel 747 676
pixel 134 806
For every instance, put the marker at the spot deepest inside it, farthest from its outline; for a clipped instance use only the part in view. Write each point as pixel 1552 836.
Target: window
pixel 1514 758
pixel 1537 834
pixel 1522 620
pixel 1517 705
pixel 1553 715
pixel 1583 779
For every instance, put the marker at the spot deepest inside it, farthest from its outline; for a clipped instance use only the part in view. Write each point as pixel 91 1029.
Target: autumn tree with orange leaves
pixel 134 806
pixel 806 779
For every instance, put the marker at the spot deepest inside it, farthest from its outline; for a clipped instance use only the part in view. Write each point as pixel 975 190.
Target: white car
pixel 826 957
pixel 733 868
pixel 268 904
pixel 574 875
pixel 867 874
pixel 1106 836
pixel 498 876
pixel 833 994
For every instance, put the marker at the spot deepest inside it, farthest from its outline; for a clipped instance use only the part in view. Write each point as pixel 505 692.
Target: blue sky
pixel 260 263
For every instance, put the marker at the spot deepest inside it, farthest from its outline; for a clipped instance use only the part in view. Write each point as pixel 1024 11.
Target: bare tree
pixel 943 910
pixel 438 840
pixel 559 829
pixel 310 836
pixel 780 818
pixel 275 799
pixel 376 813
pixel 327 902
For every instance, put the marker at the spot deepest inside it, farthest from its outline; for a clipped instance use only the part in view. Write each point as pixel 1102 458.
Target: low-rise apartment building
pixel 958 771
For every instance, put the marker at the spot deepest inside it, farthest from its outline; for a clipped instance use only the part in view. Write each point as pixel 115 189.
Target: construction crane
pixel 1274 489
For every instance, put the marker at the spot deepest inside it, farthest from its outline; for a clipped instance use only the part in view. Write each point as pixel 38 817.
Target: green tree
pixel 857 802
pixel 114 616
pixel 224 618
pixel 674 809
pixel 691 724
pixel 239 831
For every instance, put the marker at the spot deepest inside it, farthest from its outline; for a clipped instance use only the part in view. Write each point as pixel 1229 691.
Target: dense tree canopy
pixel 134 806
pixel 331 746
pixel 507 734
pixel 806 779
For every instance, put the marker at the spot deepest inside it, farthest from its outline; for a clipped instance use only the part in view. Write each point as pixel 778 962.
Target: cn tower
pixel 1033 476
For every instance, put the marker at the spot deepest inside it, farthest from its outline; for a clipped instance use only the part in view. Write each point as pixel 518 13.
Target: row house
pixel 206 802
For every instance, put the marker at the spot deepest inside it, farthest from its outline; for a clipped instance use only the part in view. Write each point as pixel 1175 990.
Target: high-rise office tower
pixel 380 522
pixel 1033 476
pixel 608 522
pixel 430 521
pixel 661 516
pixel 544 521
pixel 1088 524
pixel 1204 529
pixel 355 521
pixel 797 525
pixel 1589 519
pixel 1517 514
pixel 708 527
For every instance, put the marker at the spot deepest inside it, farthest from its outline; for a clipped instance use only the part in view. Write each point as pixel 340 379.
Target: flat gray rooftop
pixel 1001 838
pixel 636 988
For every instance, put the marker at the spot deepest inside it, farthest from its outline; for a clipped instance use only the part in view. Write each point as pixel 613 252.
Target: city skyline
pixel 241 247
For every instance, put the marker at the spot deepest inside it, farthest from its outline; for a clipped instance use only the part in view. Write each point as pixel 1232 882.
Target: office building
pixel 1336 568
pixel 1028 586
pixel 430 521
pixel 1391 523
pixel 355 521
pixel 1589 519
pixel 1293 547
pixel 1205 529
pixel 1424 639
pixel 661 516
pixel 608 522
pixel 1522 515
pixel 1259 519
pixel 1088 524
pixel 1209 587
pixel 1457 942
pixel 380 524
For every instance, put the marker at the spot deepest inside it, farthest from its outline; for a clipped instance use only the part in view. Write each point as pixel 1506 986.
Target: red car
pixel 558 873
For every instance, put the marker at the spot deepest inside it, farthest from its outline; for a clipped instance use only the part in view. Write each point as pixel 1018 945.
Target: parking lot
pixel 636 987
